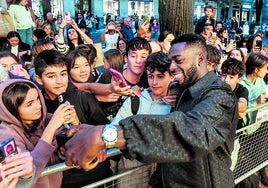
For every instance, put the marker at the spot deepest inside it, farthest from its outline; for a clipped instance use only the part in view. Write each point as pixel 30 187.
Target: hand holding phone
pixel 16 69
pixel 118 76
pixel 173 88
pixel 67 16
pixel 61 101
pixel 7 148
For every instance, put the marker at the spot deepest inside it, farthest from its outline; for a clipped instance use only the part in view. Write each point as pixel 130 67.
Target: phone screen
pixel 7 148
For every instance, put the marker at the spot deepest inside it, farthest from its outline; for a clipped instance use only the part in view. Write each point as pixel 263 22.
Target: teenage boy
pixel 137 52
pixel 232 71
pixel 150 102
pixel 214 57
pixel 51 72
pixel 205 20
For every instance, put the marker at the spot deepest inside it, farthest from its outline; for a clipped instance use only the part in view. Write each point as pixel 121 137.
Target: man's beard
pixel 189 77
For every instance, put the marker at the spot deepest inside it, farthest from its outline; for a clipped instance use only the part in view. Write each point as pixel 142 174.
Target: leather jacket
pixel 191 145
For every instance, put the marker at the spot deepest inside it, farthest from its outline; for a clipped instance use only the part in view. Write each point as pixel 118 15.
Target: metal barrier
pixel 251 154
pixel 62 167
pixel 252 144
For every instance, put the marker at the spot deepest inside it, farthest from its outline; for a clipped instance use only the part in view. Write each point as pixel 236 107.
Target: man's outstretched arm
pixel 86 146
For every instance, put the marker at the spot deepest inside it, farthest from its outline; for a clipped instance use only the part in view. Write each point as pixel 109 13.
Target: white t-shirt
pixel 111 41
pixel 15 50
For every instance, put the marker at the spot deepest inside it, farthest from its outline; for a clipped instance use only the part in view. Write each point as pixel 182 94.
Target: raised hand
pixel 15 167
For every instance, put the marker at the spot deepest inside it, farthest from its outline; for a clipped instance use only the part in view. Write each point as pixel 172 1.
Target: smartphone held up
pixel 116 75
pixel 7 148
pixel 67 16
pixel 173 88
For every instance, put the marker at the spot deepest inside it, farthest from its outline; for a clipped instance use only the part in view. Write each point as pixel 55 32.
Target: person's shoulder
pixel 241 88
pixel 85 96
pixel 211 82
pixel 12 7
pixel 202 19
pixel 241 91
pixel 25 46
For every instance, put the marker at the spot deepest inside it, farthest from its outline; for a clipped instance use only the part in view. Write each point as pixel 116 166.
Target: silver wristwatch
pixel 109 135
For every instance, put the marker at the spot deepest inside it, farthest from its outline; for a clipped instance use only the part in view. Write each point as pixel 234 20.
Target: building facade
pixel 241 10
pixel 100 8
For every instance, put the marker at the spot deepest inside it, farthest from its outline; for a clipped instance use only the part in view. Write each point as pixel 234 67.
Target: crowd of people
pixel 50 86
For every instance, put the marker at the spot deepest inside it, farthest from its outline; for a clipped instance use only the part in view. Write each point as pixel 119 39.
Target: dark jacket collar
pixel 202 84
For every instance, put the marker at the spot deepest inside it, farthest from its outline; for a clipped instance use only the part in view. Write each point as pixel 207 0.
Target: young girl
pixel 23 115
pixel 78 66
pixel 122 45
pixel 17 47
pixel 75 36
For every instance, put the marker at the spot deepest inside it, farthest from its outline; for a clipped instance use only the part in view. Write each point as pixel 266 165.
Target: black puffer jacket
pixel 193 143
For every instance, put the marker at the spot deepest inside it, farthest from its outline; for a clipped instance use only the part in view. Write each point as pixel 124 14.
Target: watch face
pixel 110 134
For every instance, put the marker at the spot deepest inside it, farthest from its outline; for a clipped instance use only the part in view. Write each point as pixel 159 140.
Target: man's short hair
pixel 207 25
pixel 49 14
pixel 208 7
pixel 192 39
pixel 138 43
pixel 233 67
pixel 158 61
pixel 214 55
pixel 219 22
pixel 48 58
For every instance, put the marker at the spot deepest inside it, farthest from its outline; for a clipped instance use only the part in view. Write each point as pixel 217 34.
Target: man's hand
pixel 85 148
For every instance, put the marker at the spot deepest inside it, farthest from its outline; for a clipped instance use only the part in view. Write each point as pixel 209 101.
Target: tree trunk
pixel 176 16
pixel 259 5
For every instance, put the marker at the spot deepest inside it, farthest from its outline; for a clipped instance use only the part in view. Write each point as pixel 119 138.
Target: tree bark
pixel 259 5
pixel 176 16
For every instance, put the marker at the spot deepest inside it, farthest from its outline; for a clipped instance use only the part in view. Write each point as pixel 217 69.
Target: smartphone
pixel 118 76
pixel 7 148
pixel 67 15
pixel 61 101
pixel 61 139
pixel 259 44
pixel 16 69
pixel 173 88
pixel 213 37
